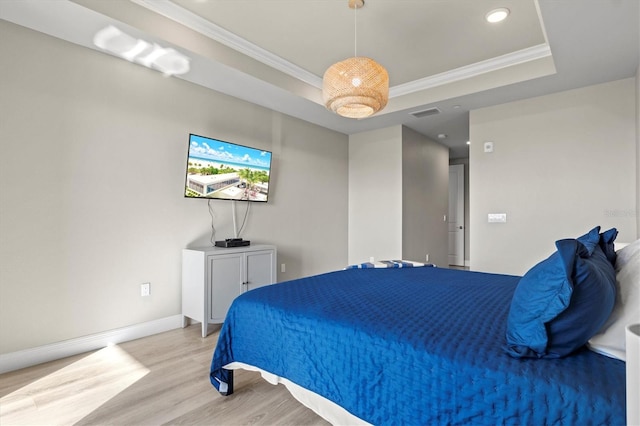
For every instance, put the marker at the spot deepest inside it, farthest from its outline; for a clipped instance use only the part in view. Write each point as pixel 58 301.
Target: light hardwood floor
pixel 161 379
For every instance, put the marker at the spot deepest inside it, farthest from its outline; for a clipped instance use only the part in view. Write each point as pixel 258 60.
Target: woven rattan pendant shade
pixel 356 87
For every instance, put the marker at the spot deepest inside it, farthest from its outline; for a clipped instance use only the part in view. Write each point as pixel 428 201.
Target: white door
pixel 225 283
pixel 456 215
pixel 260 269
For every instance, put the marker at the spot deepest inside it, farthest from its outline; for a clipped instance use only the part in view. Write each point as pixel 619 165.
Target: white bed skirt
pixel 328 410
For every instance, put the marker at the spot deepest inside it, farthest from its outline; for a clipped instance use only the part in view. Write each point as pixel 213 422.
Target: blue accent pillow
pixel 591 239
pixel 561 302
pixel 604 240
pixel 607 239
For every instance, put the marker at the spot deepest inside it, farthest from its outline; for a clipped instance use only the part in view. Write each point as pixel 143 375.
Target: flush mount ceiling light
pixel 356 87
pixel 166 60
pixel 497 15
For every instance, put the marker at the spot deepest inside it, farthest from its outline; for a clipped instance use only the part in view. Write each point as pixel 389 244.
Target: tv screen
pixel 222 170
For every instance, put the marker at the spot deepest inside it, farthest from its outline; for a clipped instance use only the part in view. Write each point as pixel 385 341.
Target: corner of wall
pixel 425 191
pixel 638 151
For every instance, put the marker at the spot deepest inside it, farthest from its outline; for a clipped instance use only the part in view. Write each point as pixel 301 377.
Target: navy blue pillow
pixel 591 239
pixel 592 302
pixel 561 302
pixel 605 240
pixel 606 243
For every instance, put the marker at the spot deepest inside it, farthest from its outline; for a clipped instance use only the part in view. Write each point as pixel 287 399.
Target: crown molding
pixel 468 71
pixel 195 22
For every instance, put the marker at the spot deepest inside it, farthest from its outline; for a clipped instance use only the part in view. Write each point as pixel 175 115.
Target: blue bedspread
pixel 414 346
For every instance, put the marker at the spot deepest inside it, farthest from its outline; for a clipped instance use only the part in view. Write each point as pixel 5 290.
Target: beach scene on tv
pixel 223 170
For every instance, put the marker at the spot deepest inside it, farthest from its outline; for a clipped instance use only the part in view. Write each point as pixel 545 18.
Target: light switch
pixel 488 147
pixel 497 217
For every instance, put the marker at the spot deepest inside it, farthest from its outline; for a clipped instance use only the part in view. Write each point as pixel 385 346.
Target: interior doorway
pixel 456 215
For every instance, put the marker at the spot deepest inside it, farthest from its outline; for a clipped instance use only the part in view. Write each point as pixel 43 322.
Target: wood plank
pixel 161 379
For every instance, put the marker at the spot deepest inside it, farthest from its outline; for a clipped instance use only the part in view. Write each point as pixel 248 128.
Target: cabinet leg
pixel 185 321
pixel 205 327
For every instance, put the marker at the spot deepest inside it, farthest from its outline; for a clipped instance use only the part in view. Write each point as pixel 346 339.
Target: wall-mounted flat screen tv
pixel 222 170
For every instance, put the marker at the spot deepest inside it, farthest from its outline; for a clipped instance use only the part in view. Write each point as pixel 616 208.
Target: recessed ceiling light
pixel 442 136
pixel 497 15
pixel 468 142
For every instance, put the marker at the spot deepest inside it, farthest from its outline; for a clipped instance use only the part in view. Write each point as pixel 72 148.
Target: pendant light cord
pixel 355 30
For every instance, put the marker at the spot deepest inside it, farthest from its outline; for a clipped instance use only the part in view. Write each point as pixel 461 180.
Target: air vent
pixel 426 112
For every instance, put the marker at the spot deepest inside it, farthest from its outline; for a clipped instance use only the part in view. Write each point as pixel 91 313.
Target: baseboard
pixel 33 356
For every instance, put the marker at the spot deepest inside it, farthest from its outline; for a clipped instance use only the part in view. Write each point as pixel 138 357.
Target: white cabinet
pixel 213 276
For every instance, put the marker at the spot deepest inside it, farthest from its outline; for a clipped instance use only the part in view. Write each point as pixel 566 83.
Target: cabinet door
pixel 260 269
pixel 225 283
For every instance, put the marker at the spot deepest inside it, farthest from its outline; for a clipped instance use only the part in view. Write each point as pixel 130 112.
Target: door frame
pixel 456 243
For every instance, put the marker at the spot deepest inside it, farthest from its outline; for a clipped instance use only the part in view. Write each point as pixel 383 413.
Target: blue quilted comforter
pixel 414 346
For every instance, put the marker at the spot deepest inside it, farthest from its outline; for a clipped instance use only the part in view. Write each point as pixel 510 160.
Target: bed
pixel 411 346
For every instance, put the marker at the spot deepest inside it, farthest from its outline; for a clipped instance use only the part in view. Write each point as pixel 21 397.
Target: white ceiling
pixel 439 53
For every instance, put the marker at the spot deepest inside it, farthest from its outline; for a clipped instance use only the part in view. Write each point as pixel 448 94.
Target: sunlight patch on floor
pixel 71 393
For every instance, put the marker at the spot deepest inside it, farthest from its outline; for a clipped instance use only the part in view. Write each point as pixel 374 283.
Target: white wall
pixel 92 161
pixel 562 164
pixel 425 200
pixel 375 195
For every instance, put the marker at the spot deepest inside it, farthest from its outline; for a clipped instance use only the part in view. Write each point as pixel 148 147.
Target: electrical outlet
pixel 145 289
pixel 371 259
pixel 283 268
pixel 426 258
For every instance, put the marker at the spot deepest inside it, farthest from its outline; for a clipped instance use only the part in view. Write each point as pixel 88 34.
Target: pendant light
pixel 356 87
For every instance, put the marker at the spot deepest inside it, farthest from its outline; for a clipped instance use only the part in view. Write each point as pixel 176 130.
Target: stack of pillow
pixel 567 299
